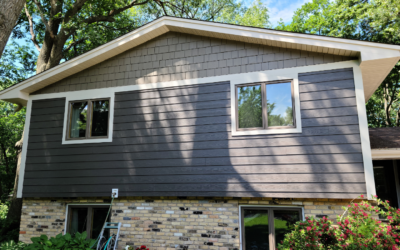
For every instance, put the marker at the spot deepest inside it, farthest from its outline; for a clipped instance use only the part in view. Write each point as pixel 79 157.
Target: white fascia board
pixel 368 50
pixel 386 154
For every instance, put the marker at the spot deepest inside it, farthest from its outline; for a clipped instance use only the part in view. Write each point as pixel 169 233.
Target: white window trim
pixel 79 204
pixel 267 76
pixel 234 79
pixel 264 206
pixel 85 95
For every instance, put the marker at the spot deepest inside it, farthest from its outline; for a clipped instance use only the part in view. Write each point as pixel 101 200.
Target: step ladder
pixel 110 225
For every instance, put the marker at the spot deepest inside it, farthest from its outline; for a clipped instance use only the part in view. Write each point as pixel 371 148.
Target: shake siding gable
pixel 177 141
pixel 177 56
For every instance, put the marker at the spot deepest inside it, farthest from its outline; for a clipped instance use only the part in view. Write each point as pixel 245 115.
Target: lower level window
pixel 263 228
pixel 87 218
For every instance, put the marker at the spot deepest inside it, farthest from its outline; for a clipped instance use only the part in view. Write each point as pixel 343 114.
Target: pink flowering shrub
pixel 357 228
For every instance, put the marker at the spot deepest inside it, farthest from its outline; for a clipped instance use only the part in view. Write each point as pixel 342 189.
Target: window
pixel 265 106
pixel 89 218
pixel 88 119
pixel 262 228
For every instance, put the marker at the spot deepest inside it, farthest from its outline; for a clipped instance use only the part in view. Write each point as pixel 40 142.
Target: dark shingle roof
pixel 384 137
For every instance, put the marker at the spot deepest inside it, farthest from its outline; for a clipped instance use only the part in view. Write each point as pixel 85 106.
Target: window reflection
pixel 279 104
pixel 100 118
pixel 256 229
pixel 78 119
pixel 284 223
pixel 250 107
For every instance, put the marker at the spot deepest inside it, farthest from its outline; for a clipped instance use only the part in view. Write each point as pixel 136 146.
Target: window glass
pixel 284 223
pixel 256 229
pixel 250 106
pixel 78 220
pixel 78 119
pixel 88 218
pixel 279 104
pixel 99 216
pixel 100 118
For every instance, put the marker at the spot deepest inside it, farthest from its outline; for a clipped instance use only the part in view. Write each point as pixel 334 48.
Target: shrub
pixel 8 229
pixel 11 245
pixel 61 242
pixel 355 229
pixel 3 211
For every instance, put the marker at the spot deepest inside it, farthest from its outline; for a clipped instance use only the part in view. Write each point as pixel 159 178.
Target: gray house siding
pixel 177 142
pixel 177 56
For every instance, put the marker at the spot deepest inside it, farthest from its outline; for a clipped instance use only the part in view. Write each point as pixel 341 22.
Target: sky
pixel 282 9
pixel 278 9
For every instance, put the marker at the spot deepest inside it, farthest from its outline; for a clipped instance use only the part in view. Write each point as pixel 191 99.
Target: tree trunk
pixel 9 13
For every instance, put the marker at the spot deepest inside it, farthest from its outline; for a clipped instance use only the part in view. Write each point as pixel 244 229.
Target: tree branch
pixel 75 9
pixel 39 6
pixel 33 37
pixel 133 3
pixel 94 19
pixel 73 44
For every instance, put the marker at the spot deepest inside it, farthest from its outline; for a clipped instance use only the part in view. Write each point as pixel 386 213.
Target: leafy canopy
pixel 367 20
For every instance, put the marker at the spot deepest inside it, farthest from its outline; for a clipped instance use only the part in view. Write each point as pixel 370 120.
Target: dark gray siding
pixel 177 142
pixel 177 56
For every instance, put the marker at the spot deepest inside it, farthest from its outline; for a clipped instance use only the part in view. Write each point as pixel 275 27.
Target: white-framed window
pixel 263 227
pixel 265 106
pixel 88 118
pixel 265 103
pixel 87 218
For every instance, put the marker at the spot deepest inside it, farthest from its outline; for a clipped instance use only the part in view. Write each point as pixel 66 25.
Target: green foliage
pixel 60 242
pixel 11 245
pixel 16 64
pixel 357 229
pixel 367 20
pixel 3 211
pixel 255 16
pixel 250 107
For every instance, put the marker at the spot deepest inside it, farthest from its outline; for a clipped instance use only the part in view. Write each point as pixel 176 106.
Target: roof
pixel 384 137
pixel 376 59
pixel 385 143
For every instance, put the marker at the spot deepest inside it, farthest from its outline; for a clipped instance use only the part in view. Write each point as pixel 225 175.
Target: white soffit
pixel 376 60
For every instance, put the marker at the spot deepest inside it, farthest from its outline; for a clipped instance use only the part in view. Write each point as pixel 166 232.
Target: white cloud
pixel 283 9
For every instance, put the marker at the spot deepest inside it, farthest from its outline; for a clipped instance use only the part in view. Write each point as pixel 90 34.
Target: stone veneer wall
pixel 167 222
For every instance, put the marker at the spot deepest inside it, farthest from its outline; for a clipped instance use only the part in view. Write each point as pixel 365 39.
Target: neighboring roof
pixel 385 143
pixel 376 59
pixel 384 137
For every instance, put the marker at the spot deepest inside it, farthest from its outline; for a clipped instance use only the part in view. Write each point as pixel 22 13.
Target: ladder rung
pixel 111 227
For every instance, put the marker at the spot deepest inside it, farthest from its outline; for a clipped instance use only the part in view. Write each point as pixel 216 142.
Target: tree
pixel 367 20
pixel 17 63
pixel 67 28
pixel 9 13
pixel 250 107
pixel 255 16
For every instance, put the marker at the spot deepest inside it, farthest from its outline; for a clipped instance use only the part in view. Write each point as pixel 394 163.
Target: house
pixel 215 135
pixel 385 146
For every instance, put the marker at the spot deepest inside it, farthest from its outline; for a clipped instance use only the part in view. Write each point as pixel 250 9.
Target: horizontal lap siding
pixel 177 142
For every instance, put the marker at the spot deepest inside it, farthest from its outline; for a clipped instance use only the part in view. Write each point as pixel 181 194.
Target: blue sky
pixel 282 9
pixel 281 95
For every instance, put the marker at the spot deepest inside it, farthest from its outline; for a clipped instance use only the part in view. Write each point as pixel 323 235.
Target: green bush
pixel 61 242
pixel 3 211
pixel 8 230
pixel 11 245
pixel 357 229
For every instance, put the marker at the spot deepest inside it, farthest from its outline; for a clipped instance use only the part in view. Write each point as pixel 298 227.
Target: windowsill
pixel 266 131
pixel 81 141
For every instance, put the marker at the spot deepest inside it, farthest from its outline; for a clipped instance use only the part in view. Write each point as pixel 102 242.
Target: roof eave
pixel 374 57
